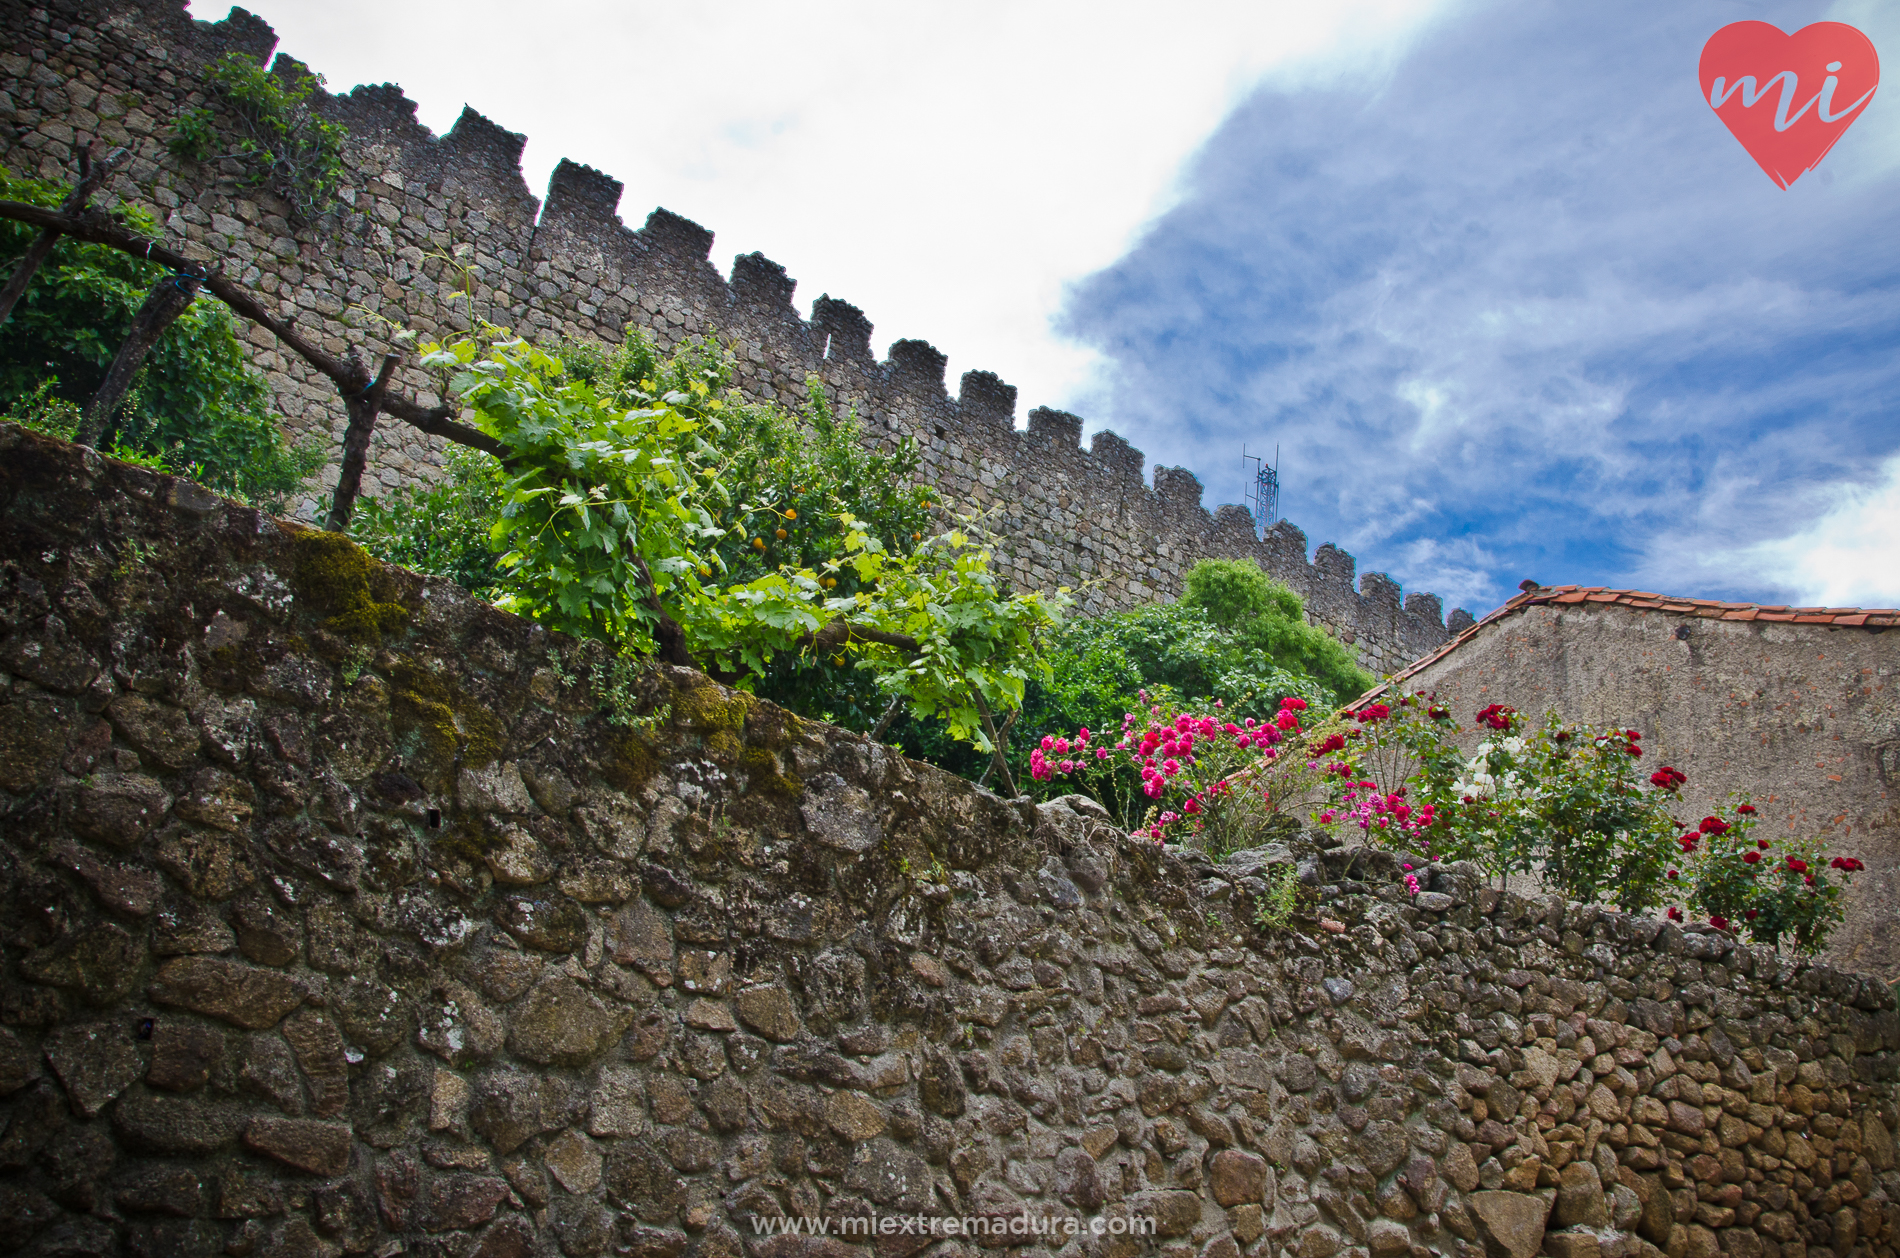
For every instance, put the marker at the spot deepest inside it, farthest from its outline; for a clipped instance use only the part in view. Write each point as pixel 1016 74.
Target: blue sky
pixel 1521 307
pixel 1508 296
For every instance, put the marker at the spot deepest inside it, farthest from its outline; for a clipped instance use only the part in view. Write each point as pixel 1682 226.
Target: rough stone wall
pixel 1805 718
pixel 340 920
pixel 1065 515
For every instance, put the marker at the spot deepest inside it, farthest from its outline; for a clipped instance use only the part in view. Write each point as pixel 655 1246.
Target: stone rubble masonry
pixel 463 962
pixel 122 71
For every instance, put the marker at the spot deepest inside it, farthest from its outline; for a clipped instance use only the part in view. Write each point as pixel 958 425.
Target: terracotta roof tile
pixel 1702 608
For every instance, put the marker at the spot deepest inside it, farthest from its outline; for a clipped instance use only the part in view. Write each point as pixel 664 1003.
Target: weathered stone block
pixel 1511 1223
pixel 239 994
pixel 314 1147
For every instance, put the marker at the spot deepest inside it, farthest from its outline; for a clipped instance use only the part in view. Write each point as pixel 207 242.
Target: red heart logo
pixel 1788 98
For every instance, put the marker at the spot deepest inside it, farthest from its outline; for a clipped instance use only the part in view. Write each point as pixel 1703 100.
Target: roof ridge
pixel 1875 618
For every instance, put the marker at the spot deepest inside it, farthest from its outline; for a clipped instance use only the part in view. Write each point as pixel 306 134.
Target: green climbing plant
pixel 265 126
pixel 620 522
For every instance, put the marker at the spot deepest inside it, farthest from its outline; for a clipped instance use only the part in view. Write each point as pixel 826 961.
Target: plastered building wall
pixel 568 266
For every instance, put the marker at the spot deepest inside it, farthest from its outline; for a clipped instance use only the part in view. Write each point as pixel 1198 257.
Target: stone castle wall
pixel 342 917
pixel 568 267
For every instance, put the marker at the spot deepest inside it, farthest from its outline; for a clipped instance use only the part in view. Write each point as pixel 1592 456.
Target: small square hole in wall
pixel 1682 633
pixel 435 818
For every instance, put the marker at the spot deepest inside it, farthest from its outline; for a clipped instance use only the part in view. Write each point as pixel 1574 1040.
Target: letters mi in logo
pixel 1788 98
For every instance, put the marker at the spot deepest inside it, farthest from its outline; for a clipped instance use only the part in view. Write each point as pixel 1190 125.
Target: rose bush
pixel 1195 776
pixel 1775 892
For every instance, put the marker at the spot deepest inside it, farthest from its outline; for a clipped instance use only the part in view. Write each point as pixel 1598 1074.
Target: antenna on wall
pixel 1263 491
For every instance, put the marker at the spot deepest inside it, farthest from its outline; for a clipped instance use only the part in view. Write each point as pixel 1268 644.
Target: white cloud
pixel 1849 556
pixel 947 167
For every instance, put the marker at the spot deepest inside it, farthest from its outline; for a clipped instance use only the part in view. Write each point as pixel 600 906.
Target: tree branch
pixel 996 743
pixel 90 177
pixel 668 634
pixel 100 229
pixel 884 722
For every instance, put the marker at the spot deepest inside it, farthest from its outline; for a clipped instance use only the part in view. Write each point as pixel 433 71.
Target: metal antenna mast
pixel 1263 492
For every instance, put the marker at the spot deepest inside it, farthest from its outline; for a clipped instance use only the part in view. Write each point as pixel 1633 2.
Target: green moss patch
pixel 452 730
pixel 339 580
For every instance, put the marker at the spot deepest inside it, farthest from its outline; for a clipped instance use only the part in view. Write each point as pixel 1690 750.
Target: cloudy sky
pixel 1507 296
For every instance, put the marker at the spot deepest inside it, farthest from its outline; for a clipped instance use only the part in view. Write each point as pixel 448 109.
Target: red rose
pixel 1752 914
pixel 1796 865
pixel 1718 921
pixel 1675 914
pixel 1762 844
pixel 1497 716
pixel 1672 873
pixel 1713 825
pixel 1750 858
pixel 1747 810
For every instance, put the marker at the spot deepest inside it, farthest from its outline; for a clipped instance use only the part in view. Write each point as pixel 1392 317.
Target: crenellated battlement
pixel 569 266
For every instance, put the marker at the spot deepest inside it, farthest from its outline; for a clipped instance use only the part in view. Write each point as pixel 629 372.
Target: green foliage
pixel 441 529
pixel 196 404
pixel 1775 892
pixel 1267 618
pixel 1210 647
pixel 1564 801
pixel 809 467
pixel 1276 908
pixel 264 123
pixel 617 520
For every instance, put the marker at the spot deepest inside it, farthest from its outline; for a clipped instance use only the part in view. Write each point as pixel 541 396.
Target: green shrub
pixel 615 522
pixel 1267 618
pixel 1171 654
pixel 441 528
pixel 196 404
pixel 1570 804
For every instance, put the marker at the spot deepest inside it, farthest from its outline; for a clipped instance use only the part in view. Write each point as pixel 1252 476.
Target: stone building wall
pixel 1805 718
pixel 342 917
pixel 123 71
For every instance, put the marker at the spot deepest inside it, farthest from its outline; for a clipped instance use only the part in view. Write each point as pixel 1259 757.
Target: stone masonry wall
pixel 121 72
pixel 343 917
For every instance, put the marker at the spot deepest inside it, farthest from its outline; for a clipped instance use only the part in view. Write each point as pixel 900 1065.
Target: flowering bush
pixel 1202 777
pixel 1746 883
pixel 1560 800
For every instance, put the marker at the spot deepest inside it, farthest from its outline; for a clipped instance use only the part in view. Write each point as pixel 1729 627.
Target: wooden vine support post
pixel 362 406
pixel 169 298
pixel 348 376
